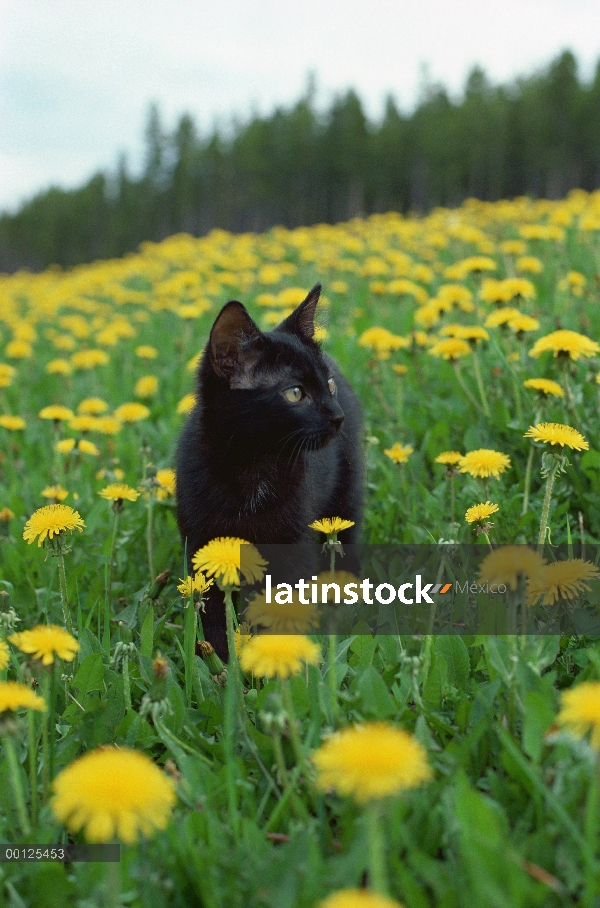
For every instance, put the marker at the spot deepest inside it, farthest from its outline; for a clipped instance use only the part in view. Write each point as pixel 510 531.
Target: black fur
pixel 253 465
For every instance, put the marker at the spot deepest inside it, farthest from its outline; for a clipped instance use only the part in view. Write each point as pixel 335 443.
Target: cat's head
pixel 271 390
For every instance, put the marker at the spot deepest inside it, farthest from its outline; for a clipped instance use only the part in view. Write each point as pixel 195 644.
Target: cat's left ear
pixel 302 319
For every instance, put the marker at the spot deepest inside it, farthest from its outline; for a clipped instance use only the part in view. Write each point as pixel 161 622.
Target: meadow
pixel 460 331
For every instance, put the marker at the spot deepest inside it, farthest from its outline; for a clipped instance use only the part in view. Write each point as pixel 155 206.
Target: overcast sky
pixel 77 76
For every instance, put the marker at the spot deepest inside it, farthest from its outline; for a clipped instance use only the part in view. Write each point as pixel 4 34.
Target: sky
pixel 77 76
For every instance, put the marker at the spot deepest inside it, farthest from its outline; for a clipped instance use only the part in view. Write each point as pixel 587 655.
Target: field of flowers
pixel 435 771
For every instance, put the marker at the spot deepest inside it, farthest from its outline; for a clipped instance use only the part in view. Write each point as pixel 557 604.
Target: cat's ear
pixel 234 344
pixel 302 319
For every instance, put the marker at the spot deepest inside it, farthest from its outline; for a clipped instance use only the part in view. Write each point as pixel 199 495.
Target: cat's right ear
pixel 234 344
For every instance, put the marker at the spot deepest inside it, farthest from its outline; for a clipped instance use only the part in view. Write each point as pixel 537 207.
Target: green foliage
pixel 536 136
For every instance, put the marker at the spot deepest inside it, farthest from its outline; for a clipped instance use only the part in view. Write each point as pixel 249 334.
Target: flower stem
pixel 332 647
pixel 527 481
pixel 517 392
pixel 452 501
pixel 285 779
pixel 461 382
pixel 45 738
pixel 568 391
pixel 62 581
pixel 15 779
pixel 487 539
pixel 479 380
pixel 33 766
pixel 111 557
pixel 52 718
pixel 546 509
pixel 149 537
pixel 126 683
pixel 293 724
pixel 231 718
pixel 377 870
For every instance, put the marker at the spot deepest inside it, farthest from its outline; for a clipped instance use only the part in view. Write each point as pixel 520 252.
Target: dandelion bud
pixel 158 584
pixel 160 667
pixel 213 662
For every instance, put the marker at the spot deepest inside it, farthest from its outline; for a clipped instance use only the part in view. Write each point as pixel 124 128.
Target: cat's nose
pixel 336 421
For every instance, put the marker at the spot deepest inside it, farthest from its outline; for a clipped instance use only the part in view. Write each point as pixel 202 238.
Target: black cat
pixel 272 444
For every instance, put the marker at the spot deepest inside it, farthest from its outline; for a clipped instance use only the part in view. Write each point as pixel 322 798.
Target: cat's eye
pixel 331 385
pixel 293 395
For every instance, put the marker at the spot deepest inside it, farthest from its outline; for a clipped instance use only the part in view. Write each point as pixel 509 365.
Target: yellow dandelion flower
pixel 93 406
pixel 6 515
pixel 12 423
pixel 507 563
pixel 85 422
pixel 56 492
pixel 381 340
pixel 575 281
pixel 480 512
pixel 483 463
pixel 529 264
pixel 51 521
pixel 186 404
pixel 166 484
pixel 560 580
pixel 56 412
pixel 544 386
pixel 146 386
pixel 145 351
pixel 18 349
pixel 113 792
pixel 493 291
pixel 108 425
pixel 119 491
pixel 554 433
pixel 513 247
pixel 457 294
pixel 278 655
pixel 331 525
pixel 87 447
pixel 7 374
pixel 580 711
pixel 131 412
pixel 400 369
pixel 370 761
pixel 45 642
pixel 565 343
pixel 358 898
pixel 519 287
pixel 398 453
pixel 450 348
pixel 4 655
pixel 501 317
pixel 521 323
pixel 339 287
pixel 293 617
pixel 194 362
pixel 65 445
pixel 196 584
pixel 89 359
pixel 448 457
pixel 472 333
pixel 14 696
pixel 59 367
pixel 221 557
pixel 476 263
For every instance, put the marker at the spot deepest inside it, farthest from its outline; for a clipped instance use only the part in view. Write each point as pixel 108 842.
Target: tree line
pixel 538 136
